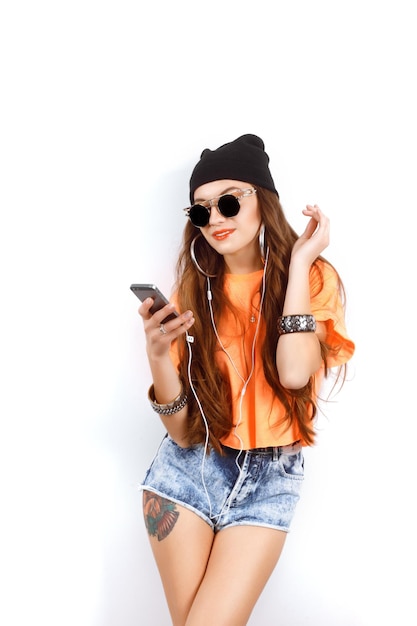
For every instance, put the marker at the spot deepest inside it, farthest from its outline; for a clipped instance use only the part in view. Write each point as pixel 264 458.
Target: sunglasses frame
pixel 208 204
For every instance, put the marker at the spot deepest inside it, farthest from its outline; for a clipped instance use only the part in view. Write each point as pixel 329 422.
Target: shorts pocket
pixel 292 465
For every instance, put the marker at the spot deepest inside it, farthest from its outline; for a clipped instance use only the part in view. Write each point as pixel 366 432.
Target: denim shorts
pixel 259 487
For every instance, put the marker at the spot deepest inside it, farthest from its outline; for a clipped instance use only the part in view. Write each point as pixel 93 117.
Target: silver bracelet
pixel 296 324
pixel 167 409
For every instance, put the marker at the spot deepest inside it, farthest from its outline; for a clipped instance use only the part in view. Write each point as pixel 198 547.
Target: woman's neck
pixel 242 265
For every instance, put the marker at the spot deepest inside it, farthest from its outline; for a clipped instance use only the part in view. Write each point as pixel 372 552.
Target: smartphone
pixel 143 291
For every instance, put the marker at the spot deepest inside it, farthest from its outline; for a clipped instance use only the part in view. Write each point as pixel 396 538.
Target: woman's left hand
pixel 315 238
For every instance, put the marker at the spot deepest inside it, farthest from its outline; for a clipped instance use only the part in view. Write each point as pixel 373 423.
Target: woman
pixel 236 378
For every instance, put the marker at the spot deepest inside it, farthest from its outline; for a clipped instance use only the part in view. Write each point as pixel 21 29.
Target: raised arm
pixel 298 353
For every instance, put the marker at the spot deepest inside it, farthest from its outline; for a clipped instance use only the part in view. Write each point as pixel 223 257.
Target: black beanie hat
pixel 242 159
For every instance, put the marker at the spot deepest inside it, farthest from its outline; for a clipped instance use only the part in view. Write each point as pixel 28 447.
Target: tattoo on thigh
pixel 160 515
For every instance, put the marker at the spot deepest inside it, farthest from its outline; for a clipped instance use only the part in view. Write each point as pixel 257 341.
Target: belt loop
pixel 275 453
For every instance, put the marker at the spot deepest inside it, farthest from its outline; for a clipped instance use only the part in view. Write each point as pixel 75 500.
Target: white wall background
pixel 105 107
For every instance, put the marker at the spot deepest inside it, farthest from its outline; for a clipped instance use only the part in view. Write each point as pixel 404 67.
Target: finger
pixel 312 210
pixel 144 309
pixel 322 230
pixel 316 213
pixel 186 324
pixel 176 326
pixel 310 228
pixel 163 313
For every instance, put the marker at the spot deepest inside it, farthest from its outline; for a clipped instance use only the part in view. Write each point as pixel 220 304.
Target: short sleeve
pixel 327 307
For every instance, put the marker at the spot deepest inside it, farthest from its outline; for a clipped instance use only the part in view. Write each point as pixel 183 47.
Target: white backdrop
pixel 105 107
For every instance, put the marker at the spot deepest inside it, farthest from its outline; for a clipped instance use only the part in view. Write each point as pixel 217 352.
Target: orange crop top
pixel 258 414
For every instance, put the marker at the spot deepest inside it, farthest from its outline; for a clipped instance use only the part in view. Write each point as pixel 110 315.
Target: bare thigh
pixel 241 561
pixel 181 543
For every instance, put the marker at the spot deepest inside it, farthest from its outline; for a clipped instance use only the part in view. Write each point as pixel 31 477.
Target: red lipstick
pixel 222 234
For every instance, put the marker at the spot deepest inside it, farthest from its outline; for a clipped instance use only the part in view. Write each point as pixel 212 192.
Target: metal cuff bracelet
pixel 296 324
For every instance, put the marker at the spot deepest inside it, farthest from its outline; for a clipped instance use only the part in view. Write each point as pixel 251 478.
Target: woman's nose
pixel 215 216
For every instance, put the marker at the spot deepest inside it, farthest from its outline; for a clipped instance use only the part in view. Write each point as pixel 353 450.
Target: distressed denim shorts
pixel 258 487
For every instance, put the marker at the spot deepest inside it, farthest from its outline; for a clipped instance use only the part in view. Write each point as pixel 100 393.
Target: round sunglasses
pixel 228 205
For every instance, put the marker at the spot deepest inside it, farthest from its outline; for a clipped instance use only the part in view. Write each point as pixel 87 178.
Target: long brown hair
pixel 211 388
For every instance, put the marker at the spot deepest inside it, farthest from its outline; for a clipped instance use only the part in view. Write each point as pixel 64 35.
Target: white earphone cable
pixel 190 340
pixel 245 382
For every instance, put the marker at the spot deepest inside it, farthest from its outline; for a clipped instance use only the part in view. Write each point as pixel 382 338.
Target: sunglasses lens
pixel 228 205
pixel 199 215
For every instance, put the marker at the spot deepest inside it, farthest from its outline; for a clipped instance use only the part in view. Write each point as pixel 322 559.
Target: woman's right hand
pixel 160 336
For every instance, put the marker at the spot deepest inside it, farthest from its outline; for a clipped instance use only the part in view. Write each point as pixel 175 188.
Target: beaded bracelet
pixel 167 409
pixel 296 324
